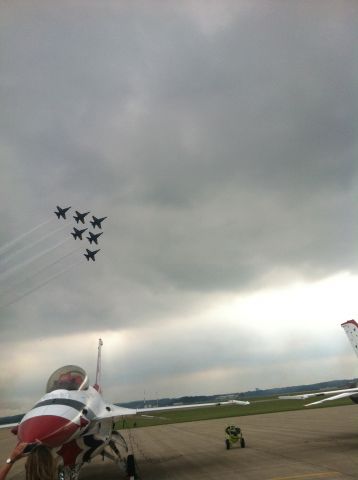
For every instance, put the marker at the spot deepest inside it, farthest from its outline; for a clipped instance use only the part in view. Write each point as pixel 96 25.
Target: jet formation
pixel 77 234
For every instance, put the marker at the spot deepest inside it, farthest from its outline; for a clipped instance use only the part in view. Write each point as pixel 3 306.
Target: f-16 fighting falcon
pixel 80 217
pixel 78 233
pixel 61 212
pixel 77 424
pixel 96 222
pixel 93 238
pixel 90 254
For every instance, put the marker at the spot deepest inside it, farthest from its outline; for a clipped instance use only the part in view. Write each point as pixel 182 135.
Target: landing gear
pixel 126 464
pixel 130 467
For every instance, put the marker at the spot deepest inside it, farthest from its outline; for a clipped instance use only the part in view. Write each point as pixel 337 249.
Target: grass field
pixel 256 407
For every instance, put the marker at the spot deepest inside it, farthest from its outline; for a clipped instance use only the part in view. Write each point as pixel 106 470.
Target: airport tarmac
pixel 308 444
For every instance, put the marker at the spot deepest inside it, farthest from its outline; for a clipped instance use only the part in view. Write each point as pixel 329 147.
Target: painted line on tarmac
pixel 309 475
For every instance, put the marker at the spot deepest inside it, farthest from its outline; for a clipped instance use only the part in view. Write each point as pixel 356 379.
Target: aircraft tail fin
pixel 351 329
pixel 98 385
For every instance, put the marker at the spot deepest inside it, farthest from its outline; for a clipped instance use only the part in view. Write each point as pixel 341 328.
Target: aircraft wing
pixel 193 405
pixel 9 425
pixel 335 397
pixel 11 421
pixel 115 412
pixel 332 395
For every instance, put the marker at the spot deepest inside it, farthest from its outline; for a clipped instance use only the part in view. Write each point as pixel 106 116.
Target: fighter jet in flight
pixel 61 212
pixel 93 238
pixel 78 233
pixel 96 222
pixel 90 254
pixel 80 217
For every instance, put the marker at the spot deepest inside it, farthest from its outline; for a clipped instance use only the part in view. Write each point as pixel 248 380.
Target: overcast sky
pixel 220 139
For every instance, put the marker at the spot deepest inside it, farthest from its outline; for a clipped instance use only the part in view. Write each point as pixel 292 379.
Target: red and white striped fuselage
pixel 71 422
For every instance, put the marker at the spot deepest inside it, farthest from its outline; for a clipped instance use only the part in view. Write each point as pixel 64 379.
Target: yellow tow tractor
pixel 233 434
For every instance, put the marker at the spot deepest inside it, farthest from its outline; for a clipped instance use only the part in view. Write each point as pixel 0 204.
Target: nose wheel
pixel 130 467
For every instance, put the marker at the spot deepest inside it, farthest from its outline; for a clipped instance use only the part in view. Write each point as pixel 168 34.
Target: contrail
pixel 23 235
pixel 32 275
pixel 40 285
pixel 30 245
pixel 8 272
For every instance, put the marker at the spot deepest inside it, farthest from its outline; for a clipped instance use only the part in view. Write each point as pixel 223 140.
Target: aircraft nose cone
pixel 51 430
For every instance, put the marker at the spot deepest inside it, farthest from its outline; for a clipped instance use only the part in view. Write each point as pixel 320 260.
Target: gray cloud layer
pixel 220 141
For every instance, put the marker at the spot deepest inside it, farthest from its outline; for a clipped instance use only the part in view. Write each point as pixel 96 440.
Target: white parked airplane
pixel 74 421
pixel 351 329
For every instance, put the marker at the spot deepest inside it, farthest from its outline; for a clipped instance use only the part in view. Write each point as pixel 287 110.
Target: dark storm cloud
pixel 187 81
pixel 220 142
pixel 258 115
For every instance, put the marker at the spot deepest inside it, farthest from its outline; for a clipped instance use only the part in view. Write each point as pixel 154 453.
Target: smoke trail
pixel 13 242
pixel 8 272
pixel 37 287
pixel 33 275
pixel 29 246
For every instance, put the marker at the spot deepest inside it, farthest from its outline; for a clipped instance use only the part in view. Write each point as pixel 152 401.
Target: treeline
pixel 250 394
pixel 166 402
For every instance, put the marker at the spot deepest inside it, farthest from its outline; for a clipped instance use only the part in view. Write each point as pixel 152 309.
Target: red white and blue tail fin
pixel 351 329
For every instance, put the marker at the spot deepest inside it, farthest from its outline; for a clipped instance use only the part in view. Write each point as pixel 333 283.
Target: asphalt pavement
pixel 308 444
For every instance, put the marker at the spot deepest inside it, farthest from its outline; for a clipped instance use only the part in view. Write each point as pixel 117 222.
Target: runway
pixel 302 445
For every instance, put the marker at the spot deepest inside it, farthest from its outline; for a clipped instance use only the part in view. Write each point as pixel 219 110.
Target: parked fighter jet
pixel 74 421
pixel 90 254
pixel 351 329
pixel 93 238
pixel 96 222
pixel 61 212
pixel 78 233
pixel 80 217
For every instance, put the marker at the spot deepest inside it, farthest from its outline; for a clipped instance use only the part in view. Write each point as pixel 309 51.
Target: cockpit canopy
pixel 69 377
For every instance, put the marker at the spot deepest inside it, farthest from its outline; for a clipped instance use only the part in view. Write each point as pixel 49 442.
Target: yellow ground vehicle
pixel 233 434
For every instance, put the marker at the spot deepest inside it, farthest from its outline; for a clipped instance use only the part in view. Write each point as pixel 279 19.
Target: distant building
pixel 228 396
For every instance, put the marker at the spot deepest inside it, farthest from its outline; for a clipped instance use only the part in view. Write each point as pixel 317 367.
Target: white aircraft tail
pixel 351 329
